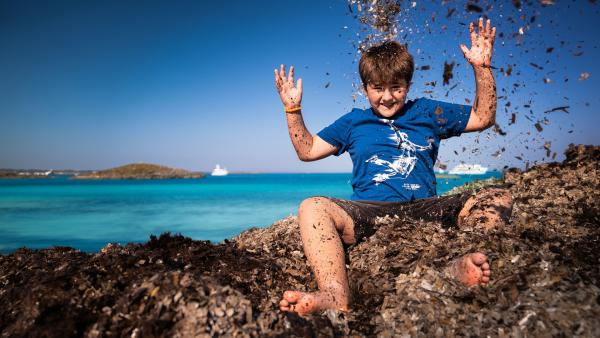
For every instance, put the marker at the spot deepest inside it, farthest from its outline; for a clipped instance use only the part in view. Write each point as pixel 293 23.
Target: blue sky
pixel 98 84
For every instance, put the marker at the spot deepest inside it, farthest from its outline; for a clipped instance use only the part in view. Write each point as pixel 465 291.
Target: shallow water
pixel 40 213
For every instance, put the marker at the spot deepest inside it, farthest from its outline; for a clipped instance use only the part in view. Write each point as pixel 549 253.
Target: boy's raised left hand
pixel 482 43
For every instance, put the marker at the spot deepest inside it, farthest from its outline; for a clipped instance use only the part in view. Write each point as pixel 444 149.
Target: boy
pixel 393 146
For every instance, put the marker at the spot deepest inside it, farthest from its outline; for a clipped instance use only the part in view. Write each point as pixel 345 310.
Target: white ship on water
pixel 218 171
pixel 468 169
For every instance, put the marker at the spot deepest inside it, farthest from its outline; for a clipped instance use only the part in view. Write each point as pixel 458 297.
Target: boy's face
pixel 387 99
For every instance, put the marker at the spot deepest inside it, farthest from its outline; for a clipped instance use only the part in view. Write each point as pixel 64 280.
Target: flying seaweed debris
pixel 538 126
pixel 536 66
pixel 562 108
pixel 381 16
pixel 498 130
pixel 548 146
pixel 471 7
pixel 519 34
pixel 448 67
pixel 584 76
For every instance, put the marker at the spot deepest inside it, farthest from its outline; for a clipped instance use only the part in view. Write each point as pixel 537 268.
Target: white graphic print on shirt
pixel 401 165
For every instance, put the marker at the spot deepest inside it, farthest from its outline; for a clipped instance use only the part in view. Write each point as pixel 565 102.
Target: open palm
pixel 291 96
pixel 482 43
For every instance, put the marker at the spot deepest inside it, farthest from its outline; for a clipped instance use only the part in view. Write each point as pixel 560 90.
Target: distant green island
pixel 126 172
pixel 140 171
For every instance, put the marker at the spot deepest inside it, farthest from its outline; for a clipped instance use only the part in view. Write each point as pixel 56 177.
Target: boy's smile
pixel 386 100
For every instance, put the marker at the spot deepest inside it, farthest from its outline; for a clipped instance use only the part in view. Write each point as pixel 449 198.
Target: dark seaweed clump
pixel 546 276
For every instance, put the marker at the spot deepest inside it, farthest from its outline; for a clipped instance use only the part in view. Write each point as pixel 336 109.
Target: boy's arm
pixel 307 146
pixel 483 113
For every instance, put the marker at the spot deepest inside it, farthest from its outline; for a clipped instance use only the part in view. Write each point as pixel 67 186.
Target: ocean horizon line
pixel 241 172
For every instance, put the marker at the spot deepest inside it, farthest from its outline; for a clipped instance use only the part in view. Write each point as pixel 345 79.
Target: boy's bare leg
pixel 323 228
pixel 489 208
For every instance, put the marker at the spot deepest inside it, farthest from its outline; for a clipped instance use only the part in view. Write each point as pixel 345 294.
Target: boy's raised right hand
pixel 291 96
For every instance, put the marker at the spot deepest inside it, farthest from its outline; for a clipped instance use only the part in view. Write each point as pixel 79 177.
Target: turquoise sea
pixel 39 213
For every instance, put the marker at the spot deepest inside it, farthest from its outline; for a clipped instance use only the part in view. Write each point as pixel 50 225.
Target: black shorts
pixel 443 209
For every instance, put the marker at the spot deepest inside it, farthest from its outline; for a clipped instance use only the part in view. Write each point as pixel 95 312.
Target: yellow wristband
pixel 293 110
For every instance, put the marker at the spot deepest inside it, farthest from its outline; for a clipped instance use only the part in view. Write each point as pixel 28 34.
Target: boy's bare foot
pixel 305 303
pixel 472 269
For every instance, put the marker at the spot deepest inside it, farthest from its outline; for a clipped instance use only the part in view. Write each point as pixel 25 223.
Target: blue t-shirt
pixel 393 158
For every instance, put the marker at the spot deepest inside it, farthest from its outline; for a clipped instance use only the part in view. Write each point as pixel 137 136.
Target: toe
pixel 291 296
pixel 485 279
pixel 478 258
pixel 284 305
pixel 485 267
pixel 486 273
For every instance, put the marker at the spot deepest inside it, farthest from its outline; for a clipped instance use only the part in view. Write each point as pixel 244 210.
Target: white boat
pixel 218 171
pixel 468 169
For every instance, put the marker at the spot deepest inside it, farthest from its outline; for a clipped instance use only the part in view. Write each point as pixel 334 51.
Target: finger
pixel 282 73
pixel 487 28
pixel 280 76
pixel 464 49
pixel 277 84
pixel 291 76
pixel 300 87
pixel 493 35
pixel 473 35
pixel 480 27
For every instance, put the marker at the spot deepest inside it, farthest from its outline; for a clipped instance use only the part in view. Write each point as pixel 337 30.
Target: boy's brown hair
pixel 386 63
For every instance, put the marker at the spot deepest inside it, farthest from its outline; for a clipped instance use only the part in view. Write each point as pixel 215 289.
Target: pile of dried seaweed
pixel 546 276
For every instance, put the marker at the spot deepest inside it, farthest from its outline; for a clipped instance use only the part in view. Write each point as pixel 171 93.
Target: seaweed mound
pixel 546 276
